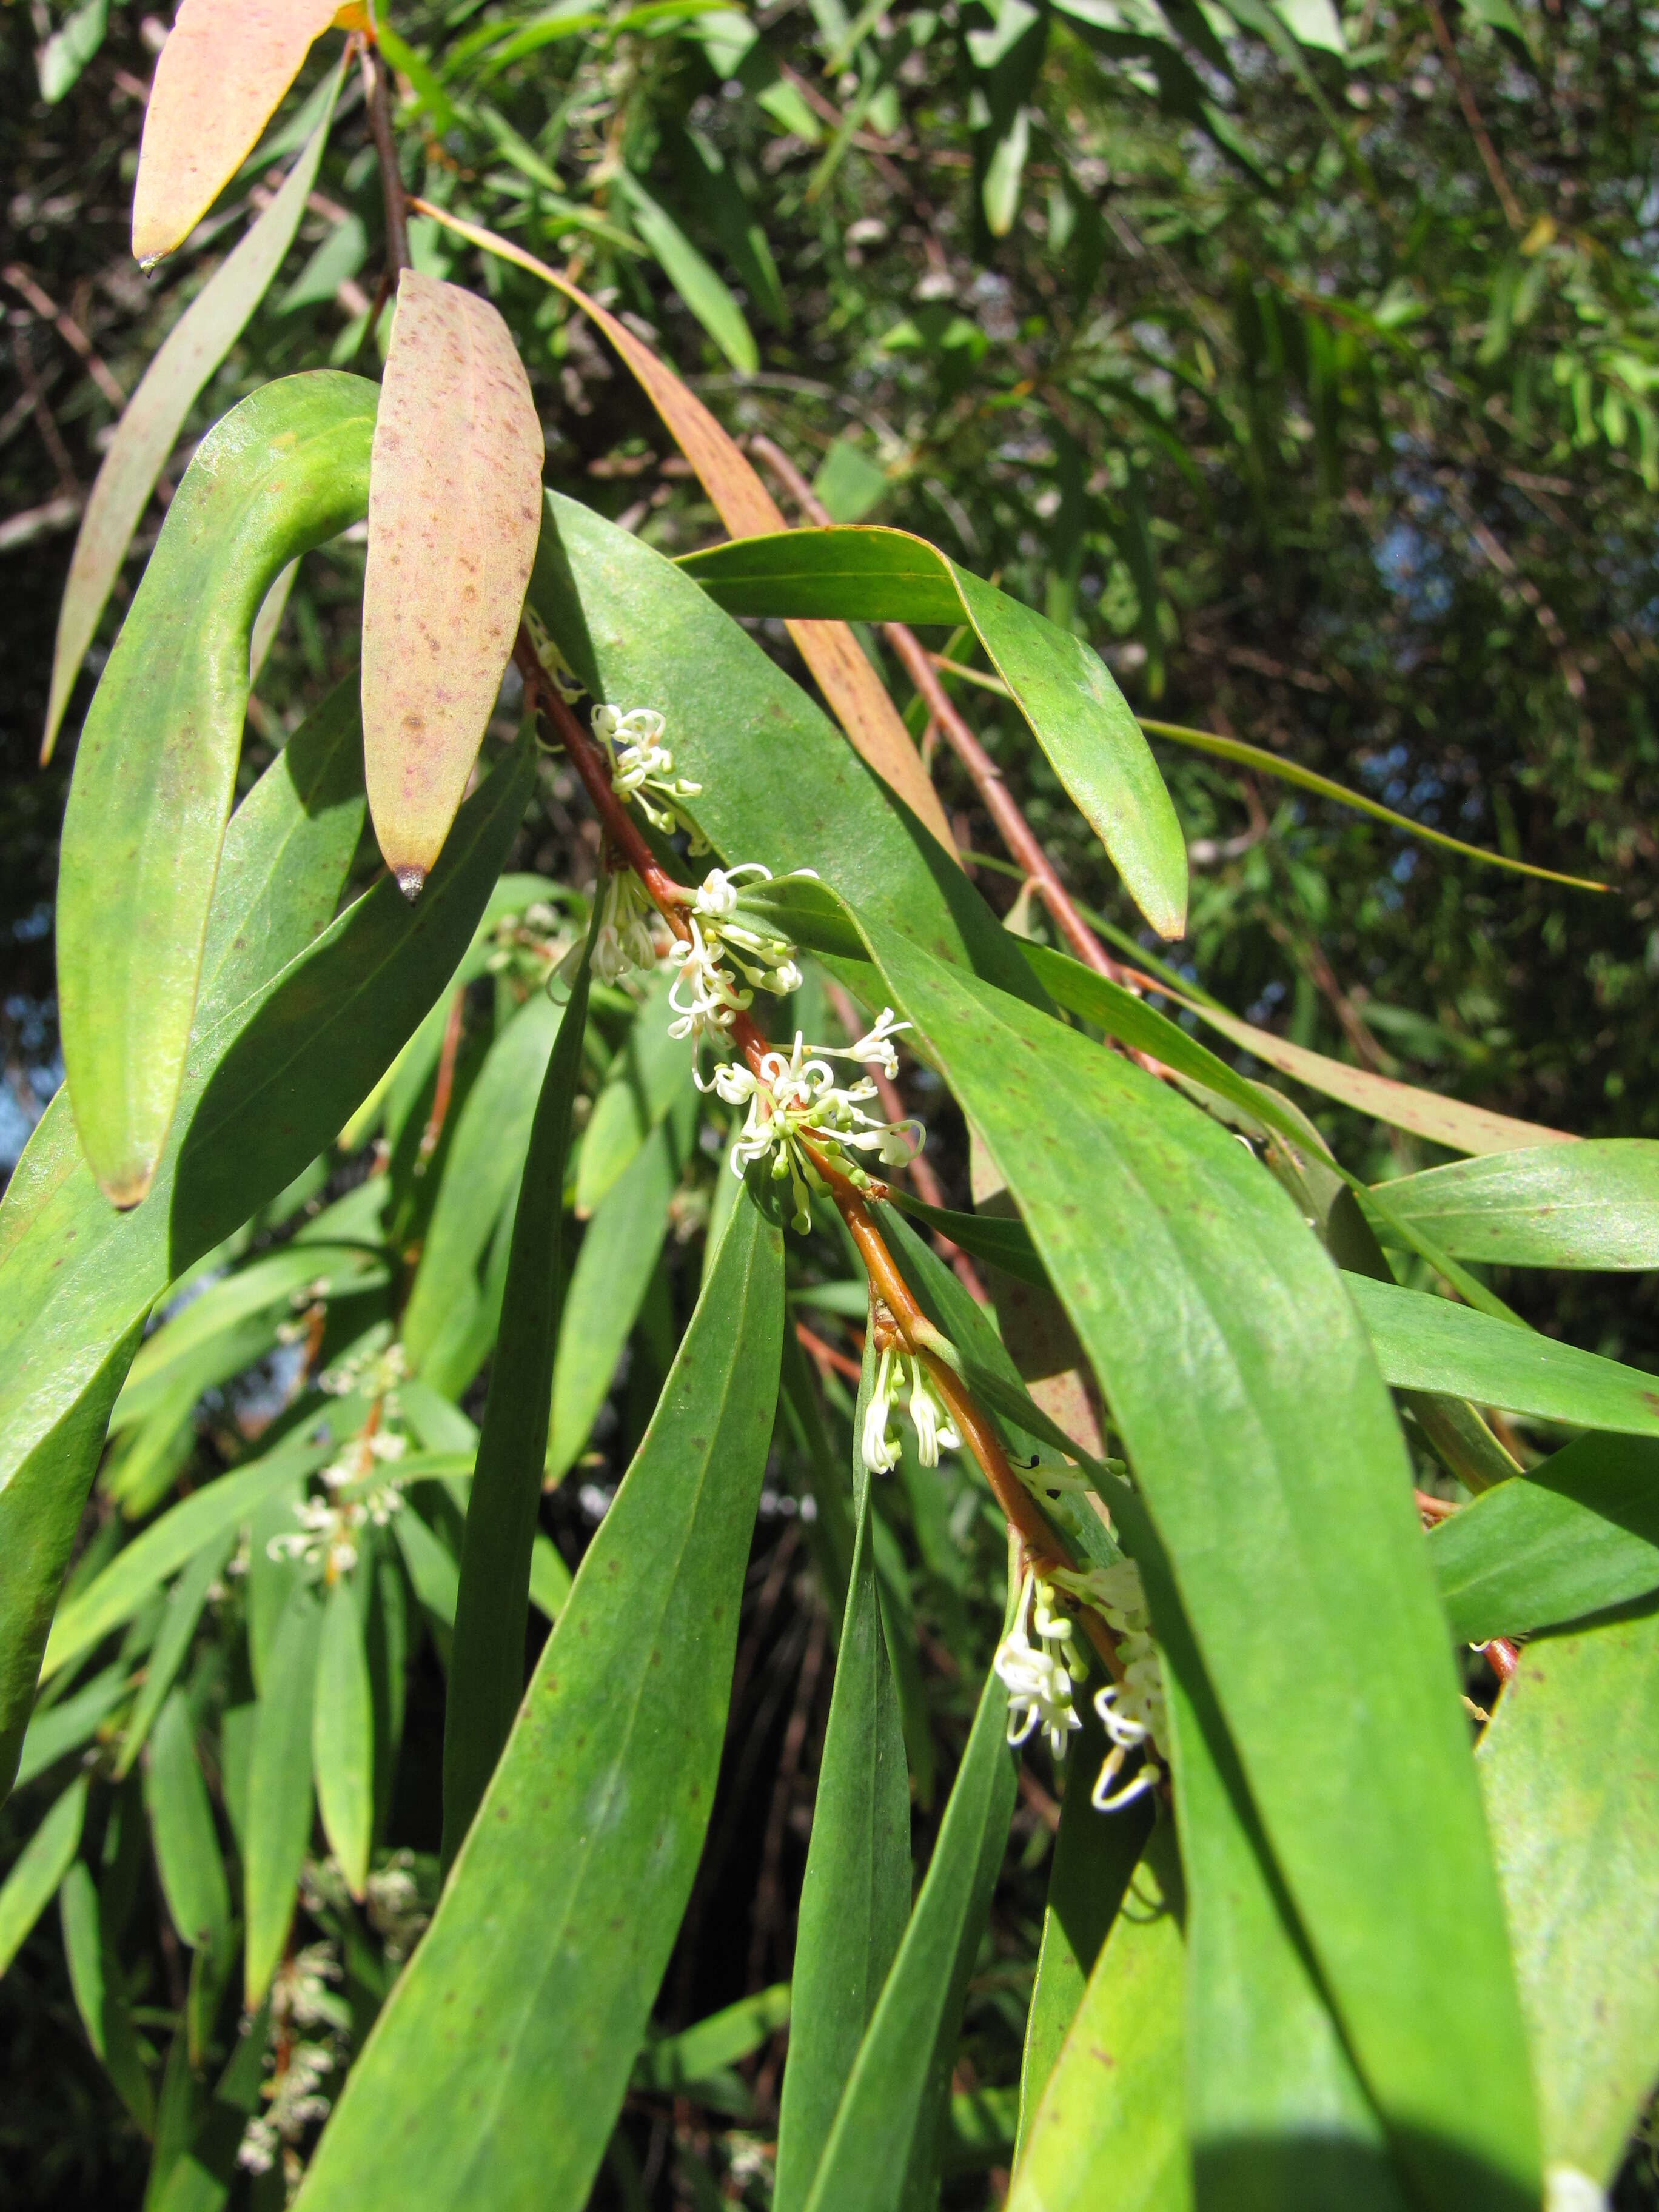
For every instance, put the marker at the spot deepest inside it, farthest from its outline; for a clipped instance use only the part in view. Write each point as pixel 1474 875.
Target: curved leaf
pixel 562 1906
pixel 38 1867
pixel 1570 1770
pixel 225 65
pixel 1076 711
pixel 1594 1204
pixel 181 1827
pixel 156 766
pixel 705 294
pixel 343 1736
pixel 278 1825
pixel 155 414
pixel 651 1070
pixel 855 691
pixel 1573 1536
pixel 1427 1343
pixel 454 505
pixel 486 1667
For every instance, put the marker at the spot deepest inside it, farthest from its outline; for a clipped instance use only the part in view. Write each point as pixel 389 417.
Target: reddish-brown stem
pixel 1502 1657
pixel 826 1355
pixel 1488 153
pixel 446 1084
pixel 373 64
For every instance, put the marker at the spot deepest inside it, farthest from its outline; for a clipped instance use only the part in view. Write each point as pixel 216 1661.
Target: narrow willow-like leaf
pixel 486 1668
pixel 279 1794
pixel 39 1868
pixel 1570 1770
pixel 856 1896
pixel 1277 1480
pixel 225 65
pixel 64 1726
pixel 486 1155
pixel 1425 1343
pixel 149 427
pixel 1449 1121
pixel 343 1736
pixel 167 1654
pixel 608 1285
pixel 1573 1536
pixel 1109 2129
pixel 843 674
pixel 705 294
pixel 170 1543
pixel 1075 711
pixel 1589 1204
pixel 181 1827
pixel 155 769
pixel 456 436
pixel 699 2052
pixel 651 1071
pixel 883 2152
pixel 1095 1855
pixel 634 628
pixel 563 1905
pixel 100 1993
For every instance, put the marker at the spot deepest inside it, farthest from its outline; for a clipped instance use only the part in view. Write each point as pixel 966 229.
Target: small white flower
pixel 625 938
pixel 642 770
pixel 935 1426
pixel 563 677
pixel 796 1100
pixel 1038 1681
pixel 880 1442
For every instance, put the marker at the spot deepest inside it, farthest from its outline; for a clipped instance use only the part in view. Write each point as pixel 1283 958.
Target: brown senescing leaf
pixel 454 510
pixel 225 65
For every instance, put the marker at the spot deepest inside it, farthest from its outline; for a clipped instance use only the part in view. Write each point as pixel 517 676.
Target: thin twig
pixel 69 330
pixel 376 77
pixel 1488 152
pixel 45 420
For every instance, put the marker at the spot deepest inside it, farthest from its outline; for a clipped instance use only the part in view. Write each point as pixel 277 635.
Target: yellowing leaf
pixel 855 691
pixel 225 65
pixel 454 509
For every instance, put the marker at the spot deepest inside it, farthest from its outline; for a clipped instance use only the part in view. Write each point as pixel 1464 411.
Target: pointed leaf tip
pixel 454 514
pixel 409 882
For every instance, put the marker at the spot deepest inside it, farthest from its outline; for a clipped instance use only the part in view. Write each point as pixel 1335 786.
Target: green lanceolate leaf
pixel 1095 1859
pixel 181 1827
pixel 156 765
pixel 39 1868
pixel 779 785
pixel 149 429
pixel 1175 1255
pixel 167 1654
pixel 562 1906
pixel 486 1155
pixel 1076 711
pixel 1574 1535
pixel 1589 1204
pixel 1425 1343
pixel 279 1793
pixel 608 1285
pixel 1108 2130
pixel 343 1736
pixel 651 1071
pixel 486 1668
pixel 100 1993
pixel 705 294
pixel 883 2150
pixel 1570 1770
pixel 856 1896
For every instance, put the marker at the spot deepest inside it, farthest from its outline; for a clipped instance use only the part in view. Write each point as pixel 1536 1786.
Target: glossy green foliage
pixel 486 1674
pixel 155 769
pixel 563 1905
pixel 1429 1344
pixel 779 784
pixel 1109 2127
pixel 279 1799
pixel 1573 1536
pixel 1589 1204
pixel 101 1993
pixel 343 1735
pixel 39 1868
pixel 181 1823
pixel 1188 1260
pixel 883 2150
pixel 856 1895
pixel 651 1071
pixel 1570 1768
pixel 1076 711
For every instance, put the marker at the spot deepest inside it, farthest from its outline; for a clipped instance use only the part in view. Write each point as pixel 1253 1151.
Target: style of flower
pixel 936 1429
pixel 642 770
pixel 796 1101
pixel 1039 1676
pixel 724 938
pixel 1134 1711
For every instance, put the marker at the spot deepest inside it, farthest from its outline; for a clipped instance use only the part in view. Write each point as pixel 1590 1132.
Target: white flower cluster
pixel 626 937
pixel 935 1429
pixel 797 1100
pixel 642 770
pixel 376 1373
pixel 327 1537
pixel 722 936
pixel 1039 1676
pixel 563 678
pixel 296 2102
pixel 392 1899
pixel 1134 1711
pixel 527 947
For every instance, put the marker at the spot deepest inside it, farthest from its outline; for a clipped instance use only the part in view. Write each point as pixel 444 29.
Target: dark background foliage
pixel 1313 388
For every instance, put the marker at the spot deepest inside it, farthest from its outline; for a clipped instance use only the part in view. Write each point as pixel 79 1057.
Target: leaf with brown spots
pixel 454 509
pixel 225 65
